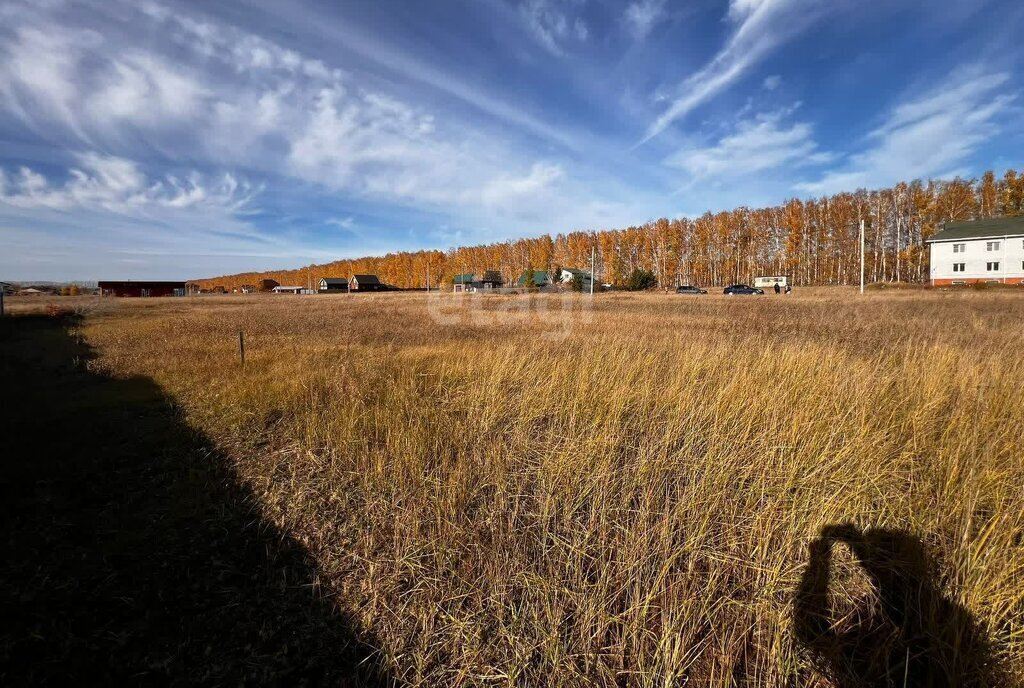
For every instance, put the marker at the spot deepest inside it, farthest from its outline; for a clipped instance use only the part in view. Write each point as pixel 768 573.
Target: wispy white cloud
pixel 771 83
pixel 552 24
pixel 231 99
pixel 38 72
pixel 763 142
pixel 641 16
pixel 144 86
pixel 759 28
pixel 243 50
pixel 105 217
pixel 155 89
pixel 117 185
pixel 342 222
pixel 933 133
pixel 308 20
pixel 513 194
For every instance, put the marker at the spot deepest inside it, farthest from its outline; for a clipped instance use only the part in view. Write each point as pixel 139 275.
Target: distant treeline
pixel 815 242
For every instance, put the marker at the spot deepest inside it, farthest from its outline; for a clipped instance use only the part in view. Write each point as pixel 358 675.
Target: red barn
pixel 130 288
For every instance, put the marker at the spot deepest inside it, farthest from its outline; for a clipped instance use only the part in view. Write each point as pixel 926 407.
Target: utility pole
pixel 593 252
pixel 862 257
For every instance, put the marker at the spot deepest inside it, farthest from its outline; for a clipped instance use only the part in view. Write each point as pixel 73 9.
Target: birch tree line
pixel 814 242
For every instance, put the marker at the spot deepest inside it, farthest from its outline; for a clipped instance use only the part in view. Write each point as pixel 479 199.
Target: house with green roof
pixel 987 250
pixel 462 282
pixel 540 278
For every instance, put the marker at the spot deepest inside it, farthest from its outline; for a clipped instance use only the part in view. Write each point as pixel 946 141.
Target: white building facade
pixel 567 275
pixel 978 251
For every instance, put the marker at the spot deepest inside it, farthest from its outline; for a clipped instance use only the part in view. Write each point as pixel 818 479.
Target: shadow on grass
pixel 913 636
pixel 132 552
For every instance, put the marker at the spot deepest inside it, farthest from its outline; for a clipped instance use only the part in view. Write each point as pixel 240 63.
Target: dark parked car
pixel 741 289
pixel 690 289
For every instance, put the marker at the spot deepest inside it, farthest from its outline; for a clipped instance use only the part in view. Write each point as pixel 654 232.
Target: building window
pixel 992 267
pixel 958 267
pixel 959 248
pixel 992 246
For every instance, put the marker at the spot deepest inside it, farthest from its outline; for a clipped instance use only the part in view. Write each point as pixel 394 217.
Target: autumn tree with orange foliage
pixel 813 241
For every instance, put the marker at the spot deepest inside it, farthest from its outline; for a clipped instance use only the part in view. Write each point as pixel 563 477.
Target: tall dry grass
pixel 629 505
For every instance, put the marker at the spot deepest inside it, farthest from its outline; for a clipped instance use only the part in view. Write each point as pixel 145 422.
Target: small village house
pixel 569 275
pixel 366 283
pixel 279 289
pixel 540 278
pixel 128 288
pixel 329 285
pixel 990 250
pixel 268 284
pixel 491 279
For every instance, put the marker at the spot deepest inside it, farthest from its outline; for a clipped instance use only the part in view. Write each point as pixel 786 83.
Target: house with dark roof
pixel 143 289
pixel 989 250
pixel 329 285
pixel 366 283
pixel 491 279
pixel 569 275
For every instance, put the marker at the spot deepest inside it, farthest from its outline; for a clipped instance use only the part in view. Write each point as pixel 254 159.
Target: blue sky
pixel 167 139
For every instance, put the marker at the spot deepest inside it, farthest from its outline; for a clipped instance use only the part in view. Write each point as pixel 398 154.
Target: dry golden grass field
pixel 651 490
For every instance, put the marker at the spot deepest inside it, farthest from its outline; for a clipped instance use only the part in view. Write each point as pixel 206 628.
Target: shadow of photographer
pixel 910 635
pixel 133 552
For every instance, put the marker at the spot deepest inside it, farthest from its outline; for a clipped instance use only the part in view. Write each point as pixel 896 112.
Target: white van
pixel 770 282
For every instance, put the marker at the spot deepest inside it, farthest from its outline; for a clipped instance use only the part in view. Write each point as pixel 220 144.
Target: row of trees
pixel 815 242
